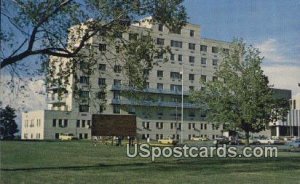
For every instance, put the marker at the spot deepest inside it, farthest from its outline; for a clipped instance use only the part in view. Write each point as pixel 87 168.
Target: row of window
pixel 177 136
pixel 64 123
pixel 32 124
pixel 161 28
pixel 37 136
pixel 191 126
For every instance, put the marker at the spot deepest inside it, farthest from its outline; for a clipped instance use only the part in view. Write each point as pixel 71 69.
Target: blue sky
pixel 273 26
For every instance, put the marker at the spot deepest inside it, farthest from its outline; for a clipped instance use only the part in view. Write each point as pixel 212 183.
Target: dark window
pixel 83 123
pixel 214 78
pixel 192 33
pixel 117 82
pixel 102 67
pixel 133 36
pixel 176 44
pixel 226 51
pixel 85 136
pixel 54 123
pixel 56 135
pixel 117 95
pixel 205 126
pixel 83 108
pixel 215 62
pixel 101 81
pixel 179 57
pixel 191 77
pixel 160 41
pixel 60 123
pixel 203 48
pixel 84 80
pixel 172 57
pixel 78 123
pixel 176 88
pixel 160 73
pixel 192 46
pixel 191 59
pixel 117 68
pixel 201 126
pixel 203 61
pixel 101 95
pixel 192 88
pixel 203 78
pixel 175 75
pixel 116 109
pixel 214 49
pixel 84 94
pixel 102 47
pixel 160 27
pixel 160 86
pixel 65 123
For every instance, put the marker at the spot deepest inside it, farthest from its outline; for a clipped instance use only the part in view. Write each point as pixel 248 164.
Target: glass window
pixel 192 46
pixel 203 48
pixel 203 61
pixel 102 67
pixel 160 73
pixel 192 33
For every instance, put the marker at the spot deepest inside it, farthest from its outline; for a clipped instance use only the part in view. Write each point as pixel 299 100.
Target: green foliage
pixel 8 125
pixel 241 97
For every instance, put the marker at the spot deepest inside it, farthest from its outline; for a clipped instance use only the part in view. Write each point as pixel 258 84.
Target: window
pixel 175 75
pixel 160 73
pixel 54 123
pixel 212 126
pixel 101 95
pixel 203 48
pixel 65 123
pixel 160 27
pixel 78 123
pixel 160 41
pixel 84 80
pixel 201 126
pixel 84 94
pixel 83 123
pixel 214 49
pixel 175 88
pixel 83 108
pixel 117 68
pixel 117 82
pixel 117 49
pixel 133 36
pixel 160 86
pixel 203 61
pixel 102 47
pixel 160 55
pixel 203 78
pixel 192 46
pixel 102 67
pixel 56 135
pixel 226 51
pixel 205 126
pixel 215 62
pixel 192 33
pixel 131 110
pixel 192 88
pixel 214 78
pixel 116 109
pixel 177 44
pixel 171 126
pixel 172 57
pixel 85 136
pixel 192 77
pixel 179 57
pixel 117 95
pixel 101 108
pixel 101 81
pixel 145 125
pixel 191 59
pixel 192 114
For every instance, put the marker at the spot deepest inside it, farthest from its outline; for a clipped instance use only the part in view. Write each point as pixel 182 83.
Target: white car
pixel 268 141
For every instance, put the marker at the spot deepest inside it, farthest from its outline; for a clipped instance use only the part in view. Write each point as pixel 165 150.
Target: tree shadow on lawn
pixel 206 165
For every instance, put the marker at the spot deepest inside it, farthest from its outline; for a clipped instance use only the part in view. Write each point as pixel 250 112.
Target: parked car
pixel 294 144
pixel 66 137
pixel 268 141
pixel 221 140
pixel 198 138
pixel 251 141
pixel 167 141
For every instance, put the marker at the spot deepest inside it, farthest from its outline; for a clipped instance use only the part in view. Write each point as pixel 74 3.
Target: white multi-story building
pixel 158 113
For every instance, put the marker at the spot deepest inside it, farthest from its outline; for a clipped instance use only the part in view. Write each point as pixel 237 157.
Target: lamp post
pixel 181 131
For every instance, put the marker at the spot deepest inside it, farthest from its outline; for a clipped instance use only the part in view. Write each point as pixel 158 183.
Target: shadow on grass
pixel 207 165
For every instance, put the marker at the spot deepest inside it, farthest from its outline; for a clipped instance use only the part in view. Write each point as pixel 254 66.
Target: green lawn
pixel 81 162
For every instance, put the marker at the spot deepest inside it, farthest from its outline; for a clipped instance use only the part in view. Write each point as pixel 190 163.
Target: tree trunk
pixel 247 137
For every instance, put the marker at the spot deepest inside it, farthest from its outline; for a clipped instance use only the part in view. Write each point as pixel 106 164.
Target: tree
pixel 44 25
pixel 241 98
pixel 7 123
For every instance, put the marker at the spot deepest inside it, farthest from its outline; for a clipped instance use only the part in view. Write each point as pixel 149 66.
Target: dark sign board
pixel 113 125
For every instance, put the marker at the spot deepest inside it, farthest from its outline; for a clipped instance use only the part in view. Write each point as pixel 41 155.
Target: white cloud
pixel 282 67
pixel 269 49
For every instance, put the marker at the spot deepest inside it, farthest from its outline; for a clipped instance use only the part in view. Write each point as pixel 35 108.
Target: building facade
pixel 159 110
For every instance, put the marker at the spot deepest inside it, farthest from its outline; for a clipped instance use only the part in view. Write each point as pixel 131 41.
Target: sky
pixel 272 26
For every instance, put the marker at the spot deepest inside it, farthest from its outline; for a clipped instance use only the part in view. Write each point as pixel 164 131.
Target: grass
pixel 81 162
